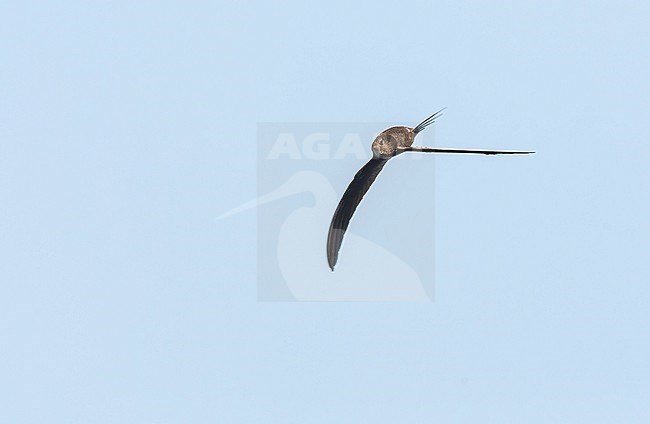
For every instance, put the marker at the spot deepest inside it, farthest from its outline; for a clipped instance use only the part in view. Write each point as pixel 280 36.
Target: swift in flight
pixel 387 144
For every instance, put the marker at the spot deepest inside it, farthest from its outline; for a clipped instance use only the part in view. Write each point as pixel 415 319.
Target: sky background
pixel 126 128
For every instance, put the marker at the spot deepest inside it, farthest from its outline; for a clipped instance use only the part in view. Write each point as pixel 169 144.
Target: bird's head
pixel 390 142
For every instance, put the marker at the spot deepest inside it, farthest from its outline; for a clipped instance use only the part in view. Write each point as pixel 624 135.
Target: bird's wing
pixel 474 151
pixel 348 204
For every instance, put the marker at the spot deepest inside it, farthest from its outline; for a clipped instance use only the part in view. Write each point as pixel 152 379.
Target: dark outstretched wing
pixel 348 204
pixel 474 151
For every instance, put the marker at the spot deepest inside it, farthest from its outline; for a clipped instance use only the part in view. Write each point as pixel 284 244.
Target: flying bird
pixel 389 143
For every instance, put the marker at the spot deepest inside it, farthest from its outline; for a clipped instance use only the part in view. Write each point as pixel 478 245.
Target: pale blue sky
pixel 127 127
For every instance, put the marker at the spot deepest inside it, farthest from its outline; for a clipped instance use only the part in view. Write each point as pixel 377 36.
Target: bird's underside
pixel 389 143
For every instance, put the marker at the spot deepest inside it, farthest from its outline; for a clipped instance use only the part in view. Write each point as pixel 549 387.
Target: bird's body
pixel 389 143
